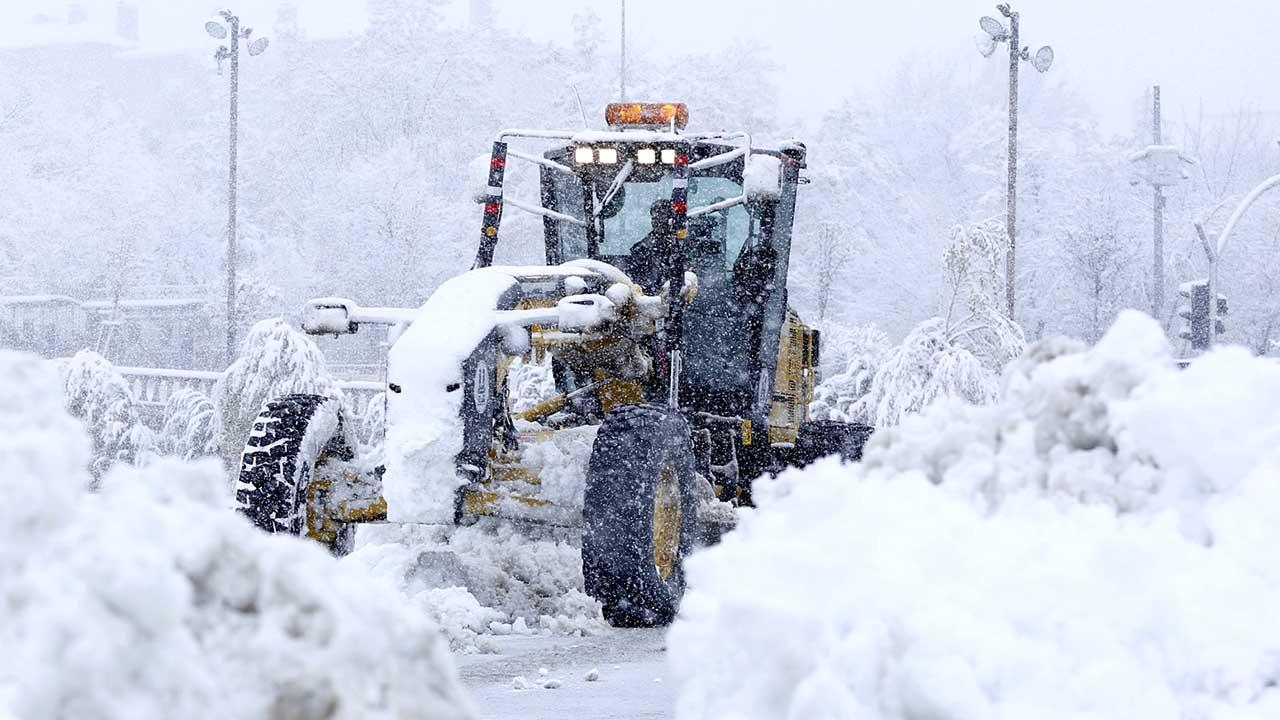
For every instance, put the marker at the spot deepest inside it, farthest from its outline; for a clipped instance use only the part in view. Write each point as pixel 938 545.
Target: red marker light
pixel 491 208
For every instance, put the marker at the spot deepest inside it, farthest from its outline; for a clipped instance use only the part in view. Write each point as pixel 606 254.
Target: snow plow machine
pixel 661 319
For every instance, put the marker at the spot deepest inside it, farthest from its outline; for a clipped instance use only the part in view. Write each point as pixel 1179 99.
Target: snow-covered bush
pixel 148 600
pixel 190 426
pixel 100 398
pixel 927 365
pixel 859 352
pixel 373 423
pixel 275 359
pixel 960 355
pixel 1099 542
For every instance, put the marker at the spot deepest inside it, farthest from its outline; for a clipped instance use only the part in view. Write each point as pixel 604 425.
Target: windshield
pixel 626 220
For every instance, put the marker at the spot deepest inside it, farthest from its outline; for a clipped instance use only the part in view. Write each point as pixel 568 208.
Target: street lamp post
pixel 231 52
pixel 996 34
pixel 1214 249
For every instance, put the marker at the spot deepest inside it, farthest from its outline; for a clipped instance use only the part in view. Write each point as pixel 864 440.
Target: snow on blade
pixel 480 580
pixel 424 422
pixel 1099 542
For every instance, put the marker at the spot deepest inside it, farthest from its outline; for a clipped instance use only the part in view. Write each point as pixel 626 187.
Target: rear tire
pixel 290 436
pixel 640 515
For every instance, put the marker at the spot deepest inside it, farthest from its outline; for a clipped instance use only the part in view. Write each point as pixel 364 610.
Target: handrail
pixel 207 375
pixel 539 134
pixel 544 162
pixel 211 376
pixel 720 159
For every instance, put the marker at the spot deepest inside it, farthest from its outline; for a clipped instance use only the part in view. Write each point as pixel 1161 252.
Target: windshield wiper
pixel 621 178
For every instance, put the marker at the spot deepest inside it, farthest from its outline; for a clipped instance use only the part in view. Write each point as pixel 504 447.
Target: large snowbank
pixel 149 600
pixel 1100 542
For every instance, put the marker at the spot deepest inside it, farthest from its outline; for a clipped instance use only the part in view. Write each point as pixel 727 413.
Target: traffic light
pixel 1196 314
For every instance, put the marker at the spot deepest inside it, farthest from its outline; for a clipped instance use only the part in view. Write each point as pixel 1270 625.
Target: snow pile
pixel 561 461
pixel 100 397
pixel 148 600
pixel 1100 543
pixel 487 579
pixel 275 359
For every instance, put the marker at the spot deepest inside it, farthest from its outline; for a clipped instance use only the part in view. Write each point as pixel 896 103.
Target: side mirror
pixel 329 316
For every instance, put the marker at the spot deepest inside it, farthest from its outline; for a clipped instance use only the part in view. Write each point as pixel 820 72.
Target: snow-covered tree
pixel 858 353
pixel 959 355
pixel 275 359
pixel 100 398
pixel 190 426
pixel 587 36
pixel 975 318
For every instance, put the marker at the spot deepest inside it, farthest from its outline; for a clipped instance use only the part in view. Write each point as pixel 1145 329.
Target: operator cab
pixel 611 195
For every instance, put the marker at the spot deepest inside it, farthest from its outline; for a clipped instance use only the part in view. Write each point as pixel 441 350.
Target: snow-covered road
pixel 633 677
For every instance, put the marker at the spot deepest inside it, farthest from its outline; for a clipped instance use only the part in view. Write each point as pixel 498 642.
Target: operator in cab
pixel 645 263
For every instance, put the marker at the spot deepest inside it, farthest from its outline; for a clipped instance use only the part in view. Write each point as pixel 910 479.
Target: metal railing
pixel 153 387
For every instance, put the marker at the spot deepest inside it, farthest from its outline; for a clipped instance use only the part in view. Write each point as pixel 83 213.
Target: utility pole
pixel 1015 54
pixel 1162 165
pixel 622 70
pixel 1157 229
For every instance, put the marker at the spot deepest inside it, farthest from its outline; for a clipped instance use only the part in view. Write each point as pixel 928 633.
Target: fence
pixel 152 388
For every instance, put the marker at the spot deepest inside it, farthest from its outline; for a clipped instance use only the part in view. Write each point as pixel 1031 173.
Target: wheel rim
pixel 666 523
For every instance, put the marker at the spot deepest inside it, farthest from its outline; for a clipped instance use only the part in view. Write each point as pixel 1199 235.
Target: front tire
pixel 640 515
pixel 291 436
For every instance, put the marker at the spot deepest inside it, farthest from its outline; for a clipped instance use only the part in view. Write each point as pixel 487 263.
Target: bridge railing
pixel 153 387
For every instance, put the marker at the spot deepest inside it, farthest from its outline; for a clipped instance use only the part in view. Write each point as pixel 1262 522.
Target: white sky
pixel 1222 53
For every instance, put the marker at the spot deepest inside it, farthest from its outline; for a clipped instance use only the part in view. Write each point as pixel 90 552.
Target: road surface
pixel 632 682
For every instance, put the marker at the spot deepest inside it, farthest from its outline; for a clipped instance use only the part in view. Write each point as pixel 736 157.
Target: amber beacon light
pixel 647 115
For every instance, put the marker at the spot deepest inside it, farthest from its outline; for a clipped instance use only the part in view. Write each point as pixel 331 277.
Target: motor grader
pixel 661 314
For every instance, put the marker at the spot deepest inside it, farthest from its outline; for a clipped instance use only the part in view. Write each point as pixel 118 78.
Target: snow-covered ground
pixel 1100 542
pixel 615 674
